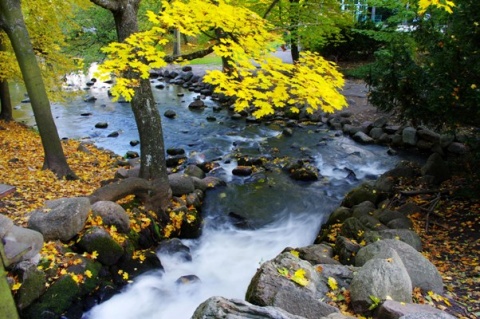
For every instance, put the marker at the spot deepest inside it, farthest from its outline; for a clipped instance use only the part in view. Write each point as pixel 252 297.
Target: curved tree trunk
pixel 5 101
pixel 152 150
pixel 11 21
pixel 7 304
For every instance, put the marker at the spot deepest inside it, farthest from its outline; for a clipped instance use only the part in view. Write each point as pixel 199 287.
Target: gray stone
pixel 380 122
pixel 362 193
pixel 409 136
pixel 376 132
pixel 219 307
pixel 99 240
pixel 386 215
pixel 112 214
pixel 269 288
pixel 194 171
pixel 406 235
pixel 429 135
pixel 426 315
pixel 21 244
pixel 181 184
pixel 5 225
pixel 317 254
pixel 400 223
pixel 422 272
pixel 391 309
pixel 362 138
pixel 196 105
pixel 437 168
pixel 372 223
pixel 446 139
pixel 364 208
pixel 346 250
pixel 383 277
pixel 61 219
pixel 339 215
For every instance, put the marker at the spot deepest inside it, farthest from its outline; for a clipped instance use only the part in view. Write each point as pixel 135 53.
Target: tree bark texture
pixel 7 304
pixel 12 22
pixel 152 150
pixel 294 21
pixel 5 101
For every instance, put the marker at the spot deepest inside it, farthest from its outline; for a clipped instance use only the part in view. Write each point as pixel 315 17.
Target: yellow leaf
pixel 16 286
pixel 295 253
pixel 88 273
pixel 332 283
pixel 299 277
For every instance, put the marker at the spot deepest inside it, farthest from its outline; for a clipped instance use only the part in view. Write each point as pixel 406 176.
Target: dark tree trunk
pixel 5 101
pixel 152 150
pixel 11 21
pixel 294 21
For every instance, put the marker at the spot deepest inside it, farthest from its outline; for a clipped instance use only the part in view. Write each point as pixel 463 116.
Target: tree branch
pixel 270 8
pixel 189 56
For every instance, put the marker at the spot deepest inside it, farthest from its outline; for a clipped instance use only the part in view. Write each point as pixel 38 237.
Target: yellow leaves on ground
pixel 244 39
pixel 21 162
pixel 332 283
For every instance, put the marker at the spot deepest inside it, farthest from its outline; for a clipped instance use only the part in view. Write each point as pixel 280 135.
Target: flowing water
pixel 282 212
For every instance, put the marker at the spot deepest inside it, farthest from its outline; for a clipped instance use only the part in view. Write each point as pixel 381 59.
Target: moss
pixel 56 300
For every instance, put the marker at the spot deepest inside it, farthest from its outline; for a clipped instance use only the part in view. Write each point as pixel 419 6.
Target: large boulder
pixel 381 277
pixel 219 307
pixel 112 214
pixel 269 288
pixel 406 235
pixel 421 271
pixel 61 219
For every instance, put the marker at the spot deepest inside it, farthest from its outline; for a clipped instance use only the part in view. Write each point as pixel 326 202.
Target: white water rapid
pixel 224 259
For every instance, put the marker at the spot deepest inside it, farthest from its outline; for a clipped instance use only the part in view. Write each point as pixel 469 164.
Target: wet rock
pixel 132 154
pixel 175 151
pixel 362 138
pixel 99 240
pixel 219 307
pixel 64 218
pixel 112 214
pixel 364 208
pixel 421 271
pixel 113 134
pixel 101 125
pixel 89 99
pixel 173 161
pixel 287 131
pixel 382 276
pixel 317 254
pixel 239 221
pixel 194 171
pixel 170 114
pixel 346 250
pixel 242 171
pixel 362 193
pixel 188 280
pixel 174 247
pixel 160 86
pixel 339 215
pixel 196 105
pixel 134 142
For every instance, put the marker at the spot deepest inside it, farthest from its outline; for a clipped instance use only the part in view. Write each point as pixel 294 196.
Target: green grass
pixel 210 59
pixel 357 71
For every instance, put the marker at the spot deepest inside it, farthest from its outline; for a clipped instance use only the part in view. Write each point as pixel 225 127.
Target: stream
pixel 282 212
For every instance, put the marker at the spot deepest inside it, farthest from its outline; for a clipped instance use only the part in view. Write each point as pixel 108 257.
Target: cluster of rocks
pixel 381 131
pixel 64 220
pixel 184 77
pixel 377 259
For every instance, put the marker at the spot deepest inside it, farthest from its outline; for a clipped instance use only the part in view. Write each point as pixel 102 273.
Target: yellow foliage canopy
pixel 256 78
pixel 443 4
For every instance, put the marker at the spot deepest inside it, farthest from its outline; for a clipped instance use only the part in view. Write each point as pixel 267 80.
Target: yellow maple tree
pixel 447 5
pixel 259 81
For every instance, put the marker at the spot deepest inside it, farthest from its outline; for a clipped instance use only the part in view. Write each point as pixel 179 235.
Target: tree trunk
pixel 11 21
pixel 152 150
pixel 5 101
pixel 177 43
pixel 294 21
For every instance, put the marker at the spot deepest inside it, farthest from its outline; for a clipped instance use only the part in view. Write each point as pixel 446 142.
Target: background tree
pixel 12 22
pixel 5 102
pixel 430 75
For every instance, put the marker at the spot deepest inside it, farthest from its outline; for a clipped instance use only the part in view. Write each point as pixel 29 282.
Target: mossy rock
pixel 33 286
pixel 99 240
pixel 56 300
pixel 360 194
